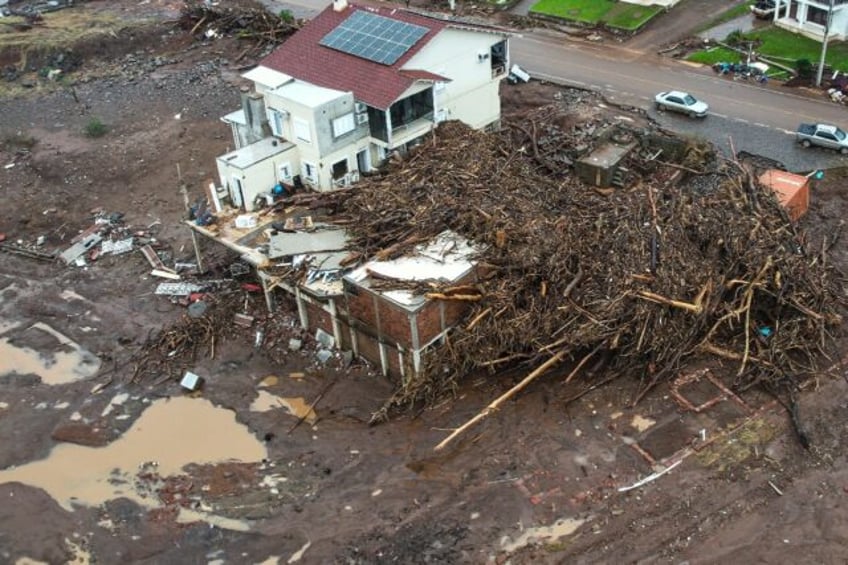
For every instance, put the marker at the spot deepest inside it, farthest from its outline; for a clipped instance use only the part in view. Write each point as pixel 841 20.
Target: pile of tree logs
pixel 243 22
pixel 694 259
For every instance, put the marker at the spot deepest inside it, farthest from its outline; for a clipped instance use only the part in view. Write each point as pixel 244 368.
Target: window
pixel 310 172
pixel 285 172
pixel 817 15
pixel 301 130
pixel 339 169
pixel 343 125
pixel 275 120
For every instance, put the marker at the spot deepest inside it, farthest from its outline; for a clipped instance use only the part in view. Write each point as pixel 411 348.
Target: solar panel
pixel 373 37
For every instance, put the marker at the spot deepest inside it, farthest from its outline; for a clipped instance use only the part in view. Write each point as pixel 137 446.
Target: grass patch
pixel 61 28
pixel 586 11
pixel 780 45
pixel 614 14
pixel 630 16
pixel 715 55
pixel 738 446
pixel 726 16
pixel 95 128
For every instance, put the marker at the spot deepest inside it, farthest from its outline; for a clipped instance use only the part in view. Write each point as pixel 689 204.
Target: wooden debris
pixel 256 24
pixel 565 269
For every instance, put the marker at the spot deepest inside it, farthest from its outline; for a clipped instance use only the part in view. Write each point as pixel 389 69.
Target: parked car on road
pixel 823 135
pixel 681 102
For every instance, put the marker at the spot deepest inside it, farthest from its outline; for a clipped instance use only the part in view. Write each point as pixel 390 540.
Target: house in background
pixel 353 86
pixel 809 18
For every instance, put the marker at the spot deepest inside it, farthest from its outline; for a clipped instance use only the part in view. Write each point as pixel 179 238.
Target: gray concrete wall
pixel 324 116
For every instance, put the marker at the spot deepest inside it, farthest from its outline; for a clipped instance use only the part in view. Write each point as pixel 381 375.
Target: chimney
pixel 253 105
pixel 339 5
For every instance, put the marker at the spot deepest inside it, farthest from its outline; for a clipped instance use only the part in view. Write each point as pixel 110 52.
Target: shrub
pixel 804 68
pixel 735 37
pixel 95 128
pixel 286 16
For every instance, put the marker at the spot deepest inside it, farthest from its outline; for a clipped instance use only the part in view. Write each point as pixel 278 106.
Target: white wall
pixel 472 94
pixel 838 27
pixel 258 178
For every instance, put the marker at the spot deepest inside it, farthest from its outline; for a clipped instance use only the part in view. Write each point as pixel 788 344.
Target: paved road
pixel 760 120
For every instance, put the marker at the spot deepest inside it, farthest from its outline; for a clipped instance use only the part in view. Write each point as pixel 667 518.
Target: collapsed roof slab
pixel 323 238
pixel 448 257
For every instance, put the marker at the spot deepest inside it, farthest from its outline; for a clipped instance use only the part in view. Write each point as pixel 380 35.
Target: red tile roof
pixel 303 58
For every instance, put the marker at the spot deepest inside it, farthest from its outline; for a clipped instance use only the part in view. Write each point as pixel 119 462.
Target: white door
pixel 363 160
pixel 236 193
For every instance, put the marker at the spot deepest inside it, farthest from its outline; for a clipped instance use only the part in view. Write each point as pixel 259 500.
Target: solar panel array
pixel 373 37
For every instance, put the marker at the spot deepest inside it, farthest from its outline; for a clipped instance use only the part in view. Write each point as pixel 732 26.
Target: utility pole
pixel 824 44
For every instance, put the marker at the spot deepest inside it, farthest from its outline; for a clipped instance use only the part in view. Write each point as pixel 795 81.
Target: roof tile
pixel 303 58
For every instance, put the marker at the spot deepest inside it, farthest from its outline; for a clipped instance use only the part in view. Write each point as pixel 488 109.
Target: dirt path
pixel 677 24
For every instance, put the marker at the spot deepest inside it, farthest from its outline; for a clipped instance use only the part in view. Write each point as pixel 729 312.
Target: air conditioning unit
pixel 482 56
pixel 359 107
pixel 361 119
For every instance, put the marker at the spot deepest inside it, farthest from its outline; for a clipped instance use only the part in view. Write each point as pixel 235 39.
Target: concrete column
pixel 197 255
pixel 269 299
pixel 301 309
pixel 337 330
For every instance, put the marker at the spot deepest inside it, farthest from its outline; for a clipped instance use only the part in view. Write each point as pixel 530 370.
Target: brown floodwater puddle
pixel 544 534
pixel 66 362
pixel 169 434
pixel 297 407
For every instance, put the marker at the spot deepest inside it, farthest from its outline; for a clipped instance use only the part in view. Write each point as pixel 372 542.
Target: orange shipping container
pixel 792 191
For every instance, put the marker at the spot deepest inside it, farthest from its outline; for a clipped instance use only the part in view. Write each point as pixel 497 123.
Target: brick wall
pixel 429 318
pixel 318 318
pixel 386 319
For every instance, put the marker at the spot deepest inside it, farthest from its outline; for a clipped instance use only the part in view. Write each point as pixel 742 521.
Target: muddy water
pixel 172 433
pixel 67 362
pixel 548 534
pixel 295 406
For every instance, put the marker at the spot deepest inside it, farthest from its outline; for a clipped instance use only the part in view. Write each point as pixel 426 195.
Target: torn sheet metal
pixel 177 289
pixel 76 250
pixel 117 247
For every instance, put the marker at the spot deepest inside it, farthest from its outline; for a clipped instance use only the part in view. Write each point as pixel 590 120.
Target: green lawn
pixel 630 16
pixel 782 46
pixel 715 55
pixel 615 14
pixel 586 11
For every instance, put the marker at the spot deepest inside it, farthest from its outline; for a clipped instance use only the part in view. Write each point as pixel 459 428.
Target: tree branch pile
pixel 254 23
pixel 654 276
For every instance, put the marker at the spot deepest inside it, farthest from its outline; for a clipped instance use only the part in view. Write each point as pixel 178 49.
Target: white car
pixel 681 102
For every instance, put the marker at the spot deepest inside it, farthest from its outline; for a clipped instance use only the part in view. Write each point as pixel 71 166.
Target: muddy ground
pixel 98 468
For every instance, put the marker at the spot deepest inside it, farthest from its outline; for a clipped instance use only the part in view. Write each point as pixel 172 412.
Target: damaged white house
pixel 351 87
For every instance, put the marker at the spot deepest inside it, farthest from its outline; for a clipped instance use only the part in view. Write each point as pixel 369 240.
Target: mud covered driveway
pixel 94 467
